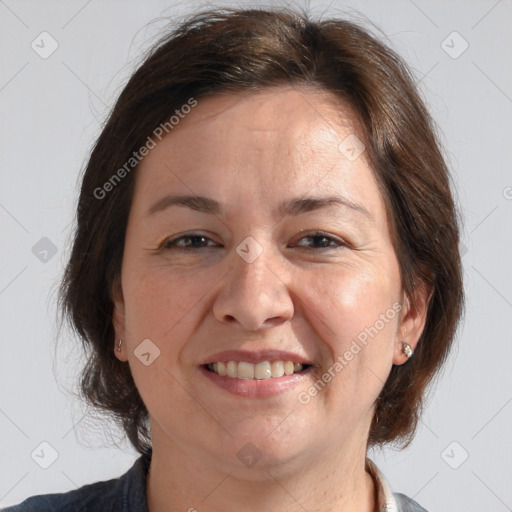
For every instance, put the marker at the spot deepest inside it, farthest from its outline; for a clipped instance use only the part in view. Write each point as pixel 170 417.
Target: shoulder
pixel 406 504
pixel 390 501
pixel 123 494
pixel 85 498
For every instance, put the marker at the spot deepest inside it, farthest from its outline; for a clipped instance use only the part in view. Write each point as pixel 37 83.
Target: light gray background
pixel 51 110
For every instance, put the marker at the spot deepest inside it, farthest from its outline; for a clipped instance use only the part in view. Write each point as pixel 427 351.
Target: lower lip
pixel 254 388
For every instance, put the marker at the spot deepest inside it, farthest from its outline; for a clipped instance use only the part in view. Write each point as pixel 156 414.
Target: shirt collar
pixel 385 499
pixel 134 488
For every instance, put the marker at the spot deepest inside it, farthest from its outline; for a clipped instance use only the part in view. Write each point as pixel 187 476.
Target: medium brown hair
pixel 243 50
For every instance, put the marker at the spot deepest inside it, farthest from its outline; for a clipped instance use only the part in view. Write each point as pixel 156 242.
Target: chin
pixel 263 449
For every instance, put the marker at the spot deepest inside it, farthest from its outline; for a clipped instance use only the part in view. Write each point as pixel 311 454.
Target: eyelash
pixel 172 244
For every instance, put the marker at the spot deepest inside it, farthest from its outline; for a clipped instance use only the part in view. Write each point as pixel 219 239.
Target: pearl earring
pixel 119 346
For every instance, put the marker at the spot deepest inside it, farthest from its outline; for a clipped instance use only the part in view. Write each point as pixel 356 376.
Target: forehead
pixel 272 108
pixel 261 143
pixel 285 117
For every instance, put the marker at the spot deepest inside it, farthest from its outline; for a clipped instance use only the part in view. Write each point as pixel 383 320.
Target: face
pixel 265 269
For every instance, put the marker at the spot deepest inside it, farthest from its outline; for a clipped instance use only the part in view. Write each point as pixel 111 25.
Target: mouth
pixel 264 370
pixel 261 380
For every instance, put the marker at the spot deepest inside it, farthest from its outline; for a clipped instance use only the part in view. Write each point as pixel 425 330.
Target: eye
pixel 322 241
pixel 199 241
pixel 189 241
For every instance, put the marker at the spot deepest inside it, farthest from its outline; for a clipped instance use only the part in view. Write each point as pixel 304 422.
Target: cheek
pixel 159 299
pixel 162 305
pixel 356 313
pixel 356 316
pixel 159 306
pixel 348 297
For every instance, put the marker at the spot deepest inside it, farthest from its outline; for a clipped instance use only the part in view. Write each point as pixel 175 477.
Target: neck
pixel 182 479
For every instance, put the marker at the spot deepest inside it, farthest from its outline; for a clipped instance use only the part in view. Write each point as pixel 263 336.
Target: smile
pixel 260 371
pixel 250 380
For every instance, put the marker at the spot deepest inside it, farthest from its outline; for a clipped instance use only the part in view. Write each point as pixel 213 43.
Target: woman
pixel 265 269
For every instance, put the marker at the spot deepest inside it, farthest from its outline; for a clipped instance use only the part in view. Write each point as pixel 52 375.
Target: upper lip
pixel 255 356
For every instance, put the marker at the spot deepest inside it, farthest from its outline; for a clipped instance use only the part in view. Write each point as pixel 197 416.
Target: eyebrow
pixel 292 207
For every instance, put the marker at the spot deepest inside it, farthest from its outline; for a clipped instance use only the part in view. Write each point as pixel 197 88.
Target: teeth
pixel 289 368
pixel 277 369
pixel 245 370
pixel 232 369
pixel 259 371
pixel 221 369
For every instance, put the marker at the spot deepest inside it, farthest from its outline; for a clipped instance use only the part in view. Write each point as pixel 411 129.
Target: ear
pixel 413 318
pixel 118 320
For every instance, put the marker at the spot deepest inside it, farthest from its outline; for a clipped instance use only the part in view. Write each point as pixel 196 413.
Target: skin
pixel 250 152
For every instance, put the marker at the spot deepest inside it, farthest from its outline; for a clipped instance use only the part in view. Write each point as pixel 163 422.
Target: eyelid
pixel 171 243
pixel 192 234
pixel 320 233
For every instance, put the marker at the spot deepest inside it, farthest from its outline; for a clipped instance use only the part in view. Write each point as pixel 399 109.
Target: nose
pixel 253 296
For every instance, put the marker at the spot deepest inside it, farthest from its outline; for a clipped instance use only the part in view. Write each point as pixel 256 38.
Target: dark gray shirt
pixel 128 494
